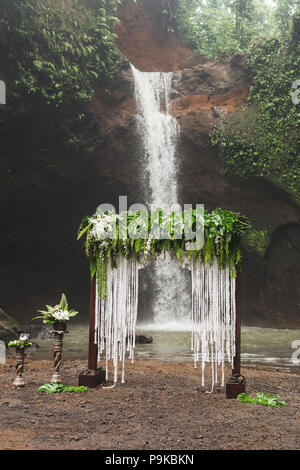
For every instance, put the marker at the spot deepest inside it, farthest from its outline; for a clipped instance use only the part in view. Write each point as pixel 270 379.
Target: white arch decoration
pixel 115 263
pixel 213 317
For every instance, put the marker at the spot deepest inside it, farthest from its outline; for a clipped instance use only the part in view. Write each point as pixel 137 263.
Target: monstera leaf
pixel 53 387
pixel 264 399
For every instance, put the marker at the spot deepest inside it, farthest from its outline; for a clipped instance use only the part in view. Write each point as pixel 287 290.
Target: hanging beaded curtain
pixel 213 315
pixel 116 315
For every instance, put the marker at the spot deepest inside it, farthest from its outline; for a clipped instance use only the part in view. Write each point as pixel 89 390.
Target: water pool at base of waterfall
pixel 267 347
pixel 261 347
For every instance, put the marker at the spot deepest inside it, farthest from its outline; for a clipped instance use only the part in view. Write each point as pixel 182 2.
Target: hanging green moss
pixel 257 240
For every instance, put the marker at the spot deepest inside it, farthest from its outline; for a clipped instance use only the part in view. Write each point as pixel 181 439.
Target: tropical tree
pixel 223 27
pixel 284 12
pixel 243 10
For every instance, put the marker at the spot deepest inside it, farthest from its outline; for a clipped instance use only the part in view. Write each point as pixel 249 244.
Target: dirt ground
pixel 161 406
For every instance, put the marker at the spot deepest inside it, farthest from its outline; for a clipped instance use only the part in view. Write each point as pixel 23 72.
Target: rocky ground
pixel 161 406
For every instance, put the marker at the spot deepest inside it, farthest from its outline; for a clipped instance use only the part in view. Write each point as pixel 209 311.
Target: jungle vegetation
pixel 53 53
pixel 263 139
pixel 224 27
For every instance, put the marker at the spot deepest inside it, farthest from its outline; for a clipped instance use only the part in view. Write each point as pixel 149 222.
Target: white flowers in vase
pixel 22 342
pixel 60 313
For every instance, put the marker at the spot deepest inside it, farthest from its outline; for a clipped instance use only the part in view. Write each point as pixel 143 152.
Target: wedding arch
pixel 119 245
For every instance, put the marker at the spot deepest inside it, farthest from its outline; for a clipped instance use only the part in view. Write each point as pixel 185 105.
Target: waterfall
pixel 159 132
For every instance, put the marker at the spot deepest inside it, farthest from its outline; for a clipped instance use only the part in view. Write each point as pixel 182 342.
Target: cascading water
pixel 159 133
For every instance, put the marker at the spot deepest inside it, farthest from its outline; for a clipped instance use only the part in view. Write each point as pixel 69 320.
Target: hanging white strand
pixel 116 315
pixel 213 316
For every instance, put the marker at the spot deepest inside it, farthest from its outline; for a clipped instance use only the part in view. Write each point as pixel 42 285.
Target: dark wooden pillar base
pixel 92 378
pixel 235 386
pixel 237 382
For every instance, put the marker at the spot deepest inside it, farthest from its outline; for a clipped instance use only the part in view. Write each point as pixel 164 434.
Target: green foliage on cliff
pixel 258 240
pixel 54 53
pixel 264 138
pixel 58 50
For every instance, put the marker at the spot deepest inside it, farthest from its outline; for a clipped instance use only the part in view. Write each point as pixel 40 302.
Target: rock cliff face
pixel 41 257
pixel 9 328
pixel 144 38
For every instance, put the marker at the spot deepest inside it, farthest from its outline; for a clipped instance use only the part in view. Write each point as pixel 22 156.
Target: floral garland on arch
pixel 109 236
pixel 119 245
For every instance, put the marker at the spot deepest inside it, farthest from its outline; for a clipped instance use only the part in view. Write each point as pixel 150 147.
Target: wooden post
pixel 93 376
pixel 237 357
pixel 93 349
pixel 237 383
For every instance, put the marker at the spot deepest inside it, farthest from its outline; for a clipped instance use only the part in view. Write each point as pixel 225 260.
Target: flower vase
pixel 59 329
pixel 20 359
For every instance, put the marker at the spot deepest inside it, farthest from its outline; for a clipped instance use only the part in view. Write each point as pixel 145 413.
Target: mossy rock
pixel 9 328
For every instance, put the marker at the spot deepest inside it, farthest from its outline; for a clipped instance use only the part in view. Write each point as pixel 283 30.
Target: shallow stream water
pixel 267 347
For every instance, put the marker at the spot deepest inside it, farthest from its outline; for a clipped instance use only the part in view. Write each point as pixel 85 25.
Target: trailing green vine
pixel 108 235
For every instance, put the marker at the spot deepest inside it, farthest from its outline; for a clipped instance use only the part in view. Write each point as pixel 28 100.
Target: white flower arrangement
pixel 59 313
pixel 22 342
pixel 103 226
